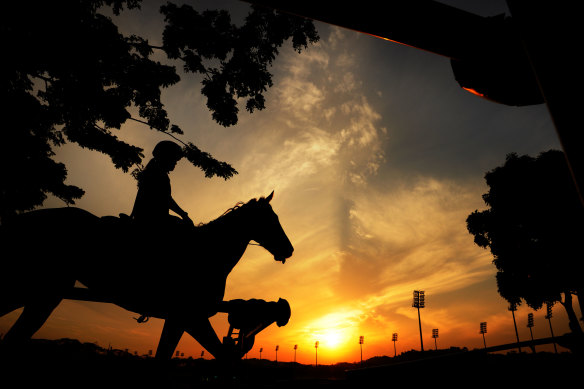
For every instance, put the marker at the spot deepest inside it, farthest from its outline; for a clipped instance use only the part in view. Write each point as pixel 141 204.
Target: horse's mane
pixel 230 211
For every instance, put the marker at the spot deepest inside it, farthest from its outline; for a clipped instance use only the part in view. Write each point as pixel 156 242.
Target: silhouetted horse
pixel 176 274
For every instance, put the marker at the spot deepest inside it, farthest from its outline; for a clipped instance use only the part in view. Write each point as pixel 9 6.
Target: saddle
pixel 124 224
pixel 121 222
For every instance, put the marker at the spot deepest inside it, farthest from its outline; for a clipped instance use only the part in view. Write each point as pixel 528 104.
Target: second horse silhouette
pixel 250 317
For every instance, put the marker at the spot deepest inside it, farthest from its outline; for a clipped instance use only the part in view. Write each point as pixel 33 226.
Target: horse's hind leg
pixel 31 320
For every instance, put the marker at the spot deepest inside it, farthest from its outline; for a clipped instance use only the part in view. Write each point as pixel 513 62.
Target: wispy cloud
pixel 414 234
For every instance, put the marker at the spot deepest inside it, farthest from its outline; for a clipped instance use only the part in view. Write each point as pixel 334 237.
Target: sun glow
pixel 332 339
pixel 334 330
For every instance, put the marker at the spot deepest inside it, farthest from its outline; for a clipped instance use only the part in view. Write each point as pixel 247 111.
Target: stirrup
pixel 142 319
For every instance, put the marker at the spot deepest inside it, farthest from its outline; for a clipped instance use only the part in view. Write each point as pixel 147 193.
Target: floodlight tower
pixel 435 336
pixel 530 326
pixel 261 349
pixel 316 353
pixel 277 348
pixel 483 331
pixel 295 348
pixel 361 340
pixel 419 303
pixel 394 339
pixel 513 308
pixel 549 317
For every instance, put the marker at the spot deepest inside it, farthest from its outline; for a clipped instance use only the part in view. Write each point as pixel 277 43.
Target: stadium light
pixel 394 339
pixel 435 336
pixel 549 317
pixel 483 331
pixel 295 348
pixel 316 353
pixel 530 326
pixel 513 308
pixel 361 341
pixel 419 302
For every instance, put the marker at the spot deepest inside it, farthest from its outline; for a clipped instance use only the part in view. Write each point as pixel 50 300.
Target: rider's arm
pixel 178 210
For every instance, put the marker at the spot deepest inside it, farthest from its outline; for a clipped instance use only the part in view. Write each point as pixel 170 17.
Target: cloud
pixel 300 98
pixel 413 236
pixel 319 128
pixel 348 83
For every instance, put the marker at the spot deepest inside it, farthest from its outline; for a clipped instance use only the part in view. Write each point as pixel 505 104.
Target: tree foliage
pixel 71 76
pixel 533 226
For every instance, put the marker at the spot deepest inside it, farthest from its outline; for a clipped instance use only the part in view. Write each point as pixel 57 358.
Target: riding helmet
pixel 167 149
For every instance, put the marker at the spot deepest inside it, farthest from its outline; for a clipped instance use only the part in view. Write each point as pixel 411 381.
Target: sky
pixel 376 157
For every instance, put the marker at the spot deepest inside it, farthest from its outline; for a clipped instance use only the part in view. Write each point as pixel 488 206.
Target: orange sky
pixel 376 157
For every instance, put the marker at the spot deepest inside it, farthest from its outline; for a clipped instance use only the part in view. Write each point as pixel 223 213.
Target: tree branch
pixel 158 129
pixel 198 158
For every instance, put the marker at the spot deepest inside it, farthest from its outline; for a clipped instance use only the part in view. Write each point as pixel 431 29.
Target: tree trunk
pixel 573 319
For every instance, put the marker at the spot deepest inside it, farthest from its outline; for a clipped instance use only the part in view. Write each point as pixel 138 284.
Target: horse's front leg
pixel 203 332
pixel 199 328
pixel 171 334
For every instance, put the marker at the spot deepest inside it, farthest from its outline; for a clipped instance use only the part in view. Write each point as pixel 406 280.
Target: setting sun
pixel 332 339
pixel 335 331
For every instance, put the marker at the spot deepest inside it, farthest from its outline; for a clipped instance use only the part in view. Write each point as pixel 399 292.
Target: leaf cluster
pixel 71 76
pixel 533 226
pixel 244 54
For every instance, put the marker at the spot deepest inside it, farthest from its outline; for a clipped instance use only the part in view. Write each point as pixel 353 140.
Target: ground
pixel 68 363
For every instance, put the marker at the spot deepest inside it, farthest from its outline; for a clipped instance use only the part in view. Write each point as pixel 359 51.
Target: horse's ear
pixel 269 198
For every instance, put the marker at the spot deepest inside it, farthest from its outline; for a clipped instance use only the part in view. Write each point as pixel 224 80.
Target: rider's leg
pixel 171 334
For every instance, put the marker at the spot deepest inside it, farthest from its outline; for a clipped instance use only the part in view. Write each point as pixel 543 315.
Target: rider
pixel 154 199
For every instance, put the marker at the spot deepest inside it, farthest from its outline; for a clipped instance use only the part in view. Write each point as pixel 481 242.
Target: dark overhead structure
pixel 484 59
pixel 525 59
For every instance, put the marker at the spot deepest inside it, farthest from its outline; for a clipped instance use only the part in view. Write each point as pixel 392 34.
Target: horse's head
pixel 268 232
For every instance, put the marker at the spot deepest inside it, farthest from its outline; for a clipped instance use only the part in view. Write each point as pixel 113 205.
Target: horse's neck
pixel 235 254
pixel 231 240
